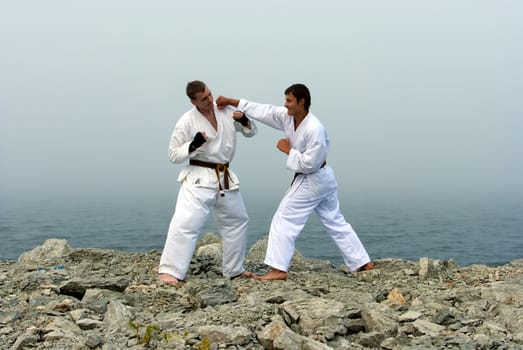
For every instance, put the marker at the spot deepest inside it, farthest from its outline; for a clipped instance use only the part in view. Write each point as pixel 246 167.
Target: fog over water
pixel 419 99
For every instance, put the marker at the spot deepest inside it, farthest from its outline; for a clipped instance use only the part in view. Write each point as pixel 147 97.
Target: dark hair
pixel 300 91
pixel 193 87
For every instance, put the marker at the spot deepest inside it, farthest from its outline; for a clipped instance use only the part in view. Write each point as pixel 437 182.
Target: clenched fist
pixel 222 102
pixel 284 145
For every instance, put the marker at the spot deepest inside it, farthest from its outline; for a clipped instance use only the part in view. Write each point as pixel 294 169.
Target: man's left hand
pixel 241 118
pixel 237 115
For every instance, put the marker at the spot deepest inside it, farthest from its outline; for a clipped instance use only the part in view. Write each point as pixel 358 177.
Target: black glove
pixel 243 120
pixel 198 140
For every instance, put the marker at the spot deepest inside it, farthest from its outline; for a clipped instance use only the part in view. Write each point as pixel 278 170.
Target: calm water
pixel 467 231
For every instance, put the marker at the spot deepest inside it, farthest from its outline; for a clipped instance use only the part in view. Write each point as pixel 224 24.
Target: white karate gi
pixel 199 193
pixel 315 189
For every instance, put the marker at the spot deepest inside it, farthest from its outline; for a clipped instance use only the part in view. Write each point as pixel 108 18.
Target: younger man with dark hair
pixel 314 187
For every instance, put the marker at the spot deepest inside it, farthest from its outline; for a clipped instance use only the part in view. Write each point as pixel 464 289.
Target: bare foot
pixel 243 274
pixel 368 266
pixel 273 274
pixel 168 279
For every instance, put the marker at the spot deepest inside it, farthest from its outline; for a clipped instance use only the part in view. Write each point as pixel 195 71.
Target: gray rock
pixel 226 334
pixel 379 318
pixel 89 299
pixel 87 323
pixel 25 340
pixel 427 327
pixel 220 293
pixel 117 317
pixel 288 340
pixel 60 328
pixel 316 317
pixel 50 249
pixel 93 341
pixel 270 332
pixel 214 251
pixel 409 316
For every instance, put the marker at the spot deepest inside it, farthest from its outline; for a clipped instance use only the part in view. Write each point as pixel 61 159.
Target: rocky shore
pixel 58 297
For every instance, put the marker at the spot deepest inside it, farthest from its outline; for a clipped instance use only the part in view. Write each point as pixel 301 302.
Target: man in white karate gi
pixel 206 136
pixel 314 187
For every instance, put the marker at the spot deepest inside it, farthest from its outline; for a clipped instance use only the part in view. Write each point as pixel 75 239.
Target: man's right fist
pixel 222 102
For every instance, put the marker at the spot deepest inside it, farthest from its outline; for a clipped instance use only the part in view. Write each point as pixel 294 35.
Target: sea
pixel 467 230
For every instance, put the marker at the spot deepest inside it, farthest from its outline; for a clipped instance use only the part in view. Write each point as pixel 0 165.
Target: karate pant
pixel 192 210
pixel 291 216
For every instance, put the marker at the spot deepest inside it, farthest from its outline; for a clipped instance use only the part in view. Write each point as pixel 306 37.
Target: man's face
pixel 203 100
pixel 293 106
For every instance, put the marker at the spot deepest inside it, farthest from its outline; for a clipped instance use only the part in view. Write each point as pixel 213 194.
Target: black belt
pixel 296 174
pixel 217 168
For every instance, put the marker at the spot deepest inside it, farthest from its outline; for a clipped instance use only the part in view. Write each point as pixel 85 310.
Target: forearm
pixel 222 102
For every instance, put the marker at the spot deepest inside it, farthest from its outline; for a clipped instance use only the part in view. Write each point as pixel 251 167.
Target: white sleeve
pixel 309 161
pixel 179 144
pixel 315 153
pixel 269 115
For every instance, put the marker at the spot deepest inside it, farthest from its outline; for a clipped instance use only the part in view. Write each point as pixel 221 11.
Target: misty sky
pixel 416 96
